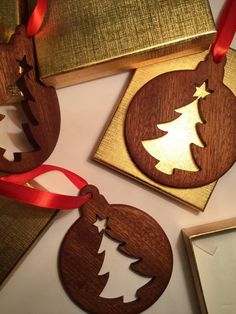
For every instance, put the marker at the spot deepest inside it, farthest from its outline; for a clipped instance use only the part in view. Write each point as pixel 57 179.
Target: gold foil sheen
pixel 12 13
pixel 20 226
pixel 87 39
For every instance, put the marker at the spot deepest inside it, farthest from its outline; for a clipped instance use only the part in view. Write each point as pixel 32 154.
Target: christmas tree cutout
pixel 173 149
pixel 13 138
pixel 122 281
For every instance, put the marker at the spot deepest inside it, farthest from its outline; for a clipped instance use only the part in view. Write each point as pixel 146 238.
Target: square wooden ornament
pixel 112 150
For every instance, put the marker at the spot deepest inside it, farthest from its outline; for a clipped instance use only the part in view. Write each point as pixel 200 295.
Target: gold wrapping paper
pixel 112 149
pixel 20 226
pixel 86 39
pixel 12 13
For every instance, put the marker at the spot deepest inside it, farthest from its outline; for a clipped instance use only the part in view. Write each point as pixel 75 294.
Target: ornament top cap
pixel 210 71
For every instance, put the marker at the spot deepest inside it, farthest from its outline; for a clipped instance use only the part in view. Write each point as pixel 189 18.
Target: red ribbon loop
pixel 225 32
pixel 13 187
pixel 37 17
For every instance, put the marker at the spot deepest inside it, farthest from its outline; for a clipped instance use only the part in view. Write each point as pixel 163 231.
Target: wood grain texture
pixel 40 103
pixel 142 238
pixel 155 103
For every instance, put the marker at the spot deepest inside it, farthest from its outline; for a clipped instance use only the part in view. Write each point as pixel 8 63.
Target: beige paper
pixel 215 256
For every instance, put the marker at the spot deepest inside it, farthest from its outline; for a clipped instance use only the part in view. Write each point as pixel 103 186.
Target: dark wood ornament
pixel 155 103
pixel 141 237
pixel 19 83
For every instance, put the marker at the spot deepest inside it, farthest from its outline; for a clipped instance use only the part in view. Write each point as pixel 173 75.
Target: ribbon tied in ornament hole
pixel 114 258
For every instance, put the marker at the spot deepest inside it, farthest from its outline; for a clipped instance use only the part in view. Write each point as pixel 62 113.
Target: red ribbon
pixel 226 31
pixel 13 187
pixel 37 17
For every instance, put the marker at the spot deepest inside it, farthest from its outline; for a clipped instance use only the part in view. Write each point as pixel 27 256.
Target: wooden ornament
pixel 180 127
pixel 139 236
pixel 19 86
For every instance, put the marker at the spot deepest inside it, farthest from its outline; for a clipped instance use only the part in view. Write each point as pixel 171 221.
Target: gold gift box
pixel 20 227
pixel 87 39
pixel 12 13
pixel 207 258
pixel 112 150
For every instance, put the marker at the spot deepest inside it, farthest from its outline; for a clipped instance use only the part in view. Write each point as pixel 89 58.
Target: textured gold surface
pixel 86 39
pixel 12 13
pixel 20 225
pixel 114 142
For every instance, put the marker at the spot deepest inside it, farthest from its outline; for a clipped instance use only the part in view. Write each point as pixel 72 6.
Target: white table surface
pixel 34 288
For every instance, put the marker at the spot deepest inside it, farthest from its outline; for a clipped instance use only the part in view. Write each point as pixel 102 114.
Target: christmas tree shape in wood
pixel 21 89
pixel 122 281
pixel 173 149
pixel 13 118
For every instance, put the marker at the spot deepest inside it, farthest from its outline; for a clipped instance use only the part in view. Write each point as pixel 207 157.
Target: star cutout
pixel 202 91
pixel 100 224
pixel 24 67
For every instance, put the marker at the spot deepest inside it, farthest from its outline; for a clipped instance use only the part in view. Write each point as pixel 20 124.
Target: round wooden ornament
pixel 180 127
pixel 138 237
pixel 21 91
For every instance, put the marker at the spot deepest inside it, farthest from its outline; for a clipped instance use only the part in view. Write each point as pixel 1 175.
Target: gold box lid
pixel 12 13
pixel 87 39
